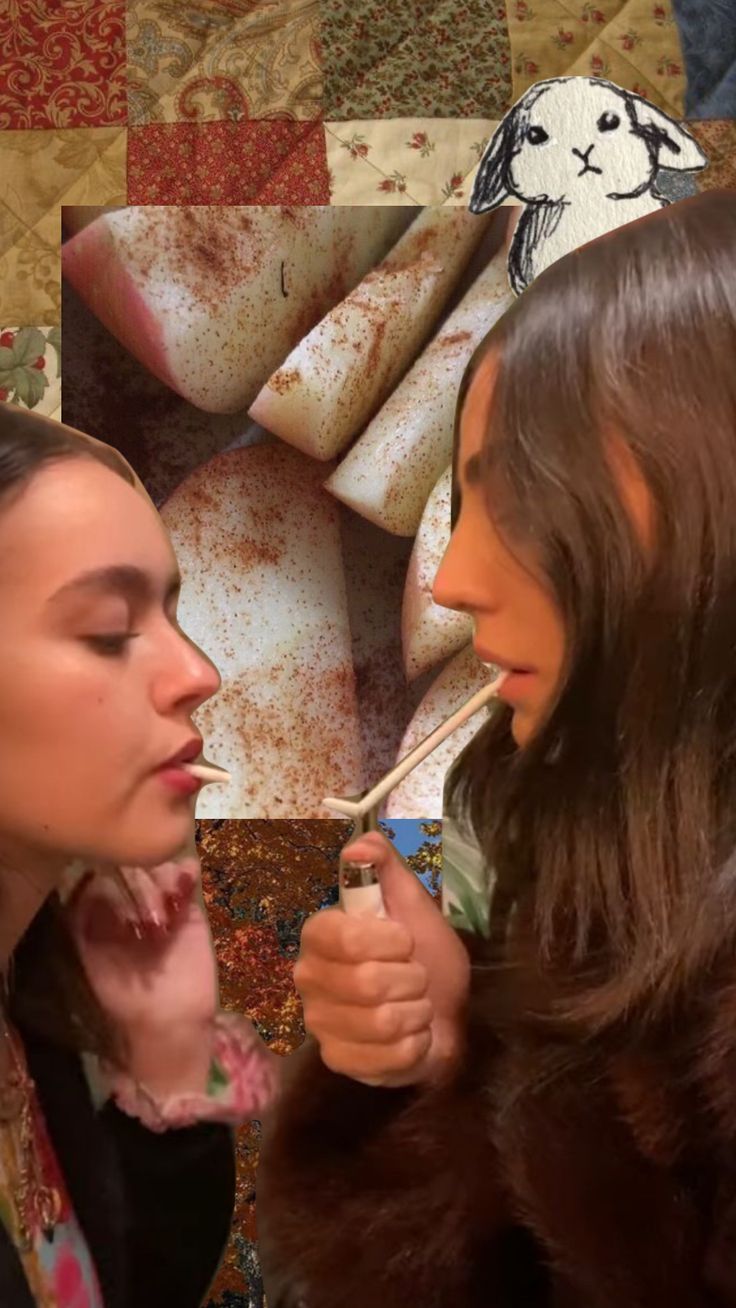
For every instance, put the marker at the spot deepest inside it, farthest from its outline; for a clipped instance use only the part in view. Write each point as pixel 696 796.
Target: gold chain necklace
pixel 35 1203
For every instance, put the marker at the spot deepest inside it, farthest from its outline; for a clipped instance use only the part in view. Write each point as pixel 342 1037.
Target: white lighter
pixel 360 888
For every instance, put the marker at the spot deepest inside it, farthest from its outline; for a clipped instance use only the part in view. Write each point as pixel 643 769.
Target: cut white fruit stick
pixel 375 591
pixel 77 216
pixel 420 795
pixel 258 542
pixel 390 471
pixel 336 378
pixel 210 298
pixel 430 633
pixel 207 773
pixel 356 808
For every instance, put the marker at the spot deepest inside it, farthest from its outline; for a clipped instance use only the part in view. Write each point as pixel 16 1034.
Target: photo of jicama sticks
pixel 430 633
pixel 258 524
pixel 284 382
pixel 389 481
pixel 210 299
pixel 333 381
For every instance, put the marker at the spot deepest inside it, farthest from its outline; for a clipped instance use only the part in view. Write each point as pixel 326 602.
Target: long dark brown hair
pixel 49 990
pixel 617 821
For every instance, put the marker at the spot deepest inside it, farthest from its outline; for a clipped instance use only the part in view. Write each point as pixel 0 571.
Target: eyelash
pixel 113 645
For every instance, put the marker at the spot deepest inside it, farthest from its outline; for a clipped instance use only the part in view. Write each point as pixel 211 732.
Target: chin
pixel 171 839
pixel 522 728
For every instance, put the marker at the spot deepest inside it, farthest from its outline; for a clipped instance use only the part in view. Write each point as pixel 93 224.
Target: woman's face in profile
pixel 516 618
pixel 97 683
pixel 517 623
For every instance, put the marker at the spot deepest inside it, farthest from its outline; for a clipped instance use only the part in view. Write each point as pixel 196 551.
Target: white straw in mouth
pixel 356 808
pixel 206 772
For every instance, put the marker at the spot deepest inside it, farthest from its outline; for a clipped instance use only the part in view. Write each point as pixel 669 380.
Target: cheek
pixel 56 700
pixel 551 631
pixel 75 740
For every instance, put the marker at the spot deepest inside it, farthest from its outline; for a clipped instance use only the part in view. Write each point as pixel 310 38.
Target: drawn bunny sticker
pixel 583 155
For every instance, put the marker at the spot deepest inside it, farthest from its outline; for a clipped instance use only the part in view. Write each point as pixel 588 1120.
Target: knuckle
pixel 328 1022
pixel 426 1012
pixel 311 926
pixel 387 1022
pixel 353 939
pixel 302 975
pixel 409 1051
pixel 332 1055
pixel 370 983
pixel 403 940
pixel 314 1021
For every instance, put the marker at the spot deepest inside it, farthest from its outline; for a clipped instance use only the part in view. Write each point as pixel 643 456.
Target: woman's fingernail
pixel 177 900
pixel 175 904
pixel 152 927
pixel 155 925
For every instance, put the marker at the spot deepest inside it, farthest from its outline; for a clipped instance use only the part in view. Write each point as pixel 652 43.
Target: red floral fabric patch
pixel 270 162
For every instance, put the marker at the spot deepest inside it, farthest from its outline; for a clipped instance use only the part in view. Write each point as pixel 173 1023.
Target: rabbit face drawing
pixel 584 147
pixel 583 155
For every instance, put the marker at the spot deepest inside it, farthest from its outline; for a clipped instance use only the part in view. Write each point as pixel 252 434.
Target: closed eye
pixel 111 644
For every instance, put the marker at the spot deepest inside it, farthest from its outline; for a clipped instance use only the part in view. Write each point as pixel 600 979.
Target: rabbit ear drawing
pixel 491 186
pixel 675 147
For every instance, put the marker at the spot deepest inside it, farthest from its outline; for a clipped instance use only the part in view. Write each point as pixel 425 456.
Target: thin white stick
pixel 206 772
pixel 355 808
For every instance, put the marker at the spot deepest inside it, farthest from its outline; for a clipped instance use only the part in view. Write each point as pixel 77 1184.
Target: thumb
pixel 406 899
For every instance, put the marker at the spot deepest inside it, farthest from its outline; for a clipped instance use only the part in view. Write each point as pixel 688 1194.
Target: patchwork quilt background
pixel 302 101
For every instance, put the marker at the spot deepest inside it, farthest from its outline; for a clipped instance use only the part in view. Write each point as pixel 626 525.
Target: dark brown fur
pixel 602 1179
pixel 588 1143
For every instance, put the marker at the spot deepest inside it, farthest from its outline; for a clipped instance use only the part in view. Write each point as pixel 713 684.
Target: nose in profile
pixel 450 585
pixel 191 677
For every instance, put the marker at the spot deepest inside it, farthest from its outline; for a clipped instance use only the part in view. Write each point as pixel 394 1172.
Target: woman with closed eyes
pixel 116 1149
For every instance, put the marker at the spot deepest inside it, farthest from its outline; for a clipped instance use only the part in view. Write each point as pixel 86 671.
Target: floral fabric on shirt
pixel 59 1269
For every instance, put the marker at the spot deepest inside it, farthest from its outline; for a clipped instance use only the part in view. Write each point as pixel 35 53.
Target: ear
pixel 491 181
pixel 675 147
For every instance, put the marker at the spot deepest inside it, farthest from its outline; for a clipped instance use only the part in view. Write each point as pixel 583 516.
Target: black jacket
pixel 155 1209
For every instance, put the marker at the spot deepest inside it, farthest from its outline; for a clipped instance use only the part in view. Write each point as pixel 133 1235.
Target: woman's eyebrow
pixel 119 579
